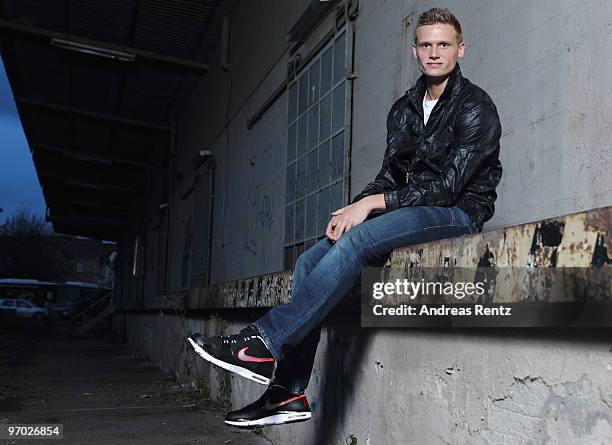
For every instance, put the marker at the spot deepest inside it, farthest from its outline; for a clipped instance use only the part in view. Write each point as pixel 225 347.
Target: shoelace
pixel 240 335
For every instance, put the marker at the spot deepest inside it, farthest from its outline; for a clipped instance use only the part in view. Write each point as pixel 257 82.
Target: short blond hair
pixel 439 15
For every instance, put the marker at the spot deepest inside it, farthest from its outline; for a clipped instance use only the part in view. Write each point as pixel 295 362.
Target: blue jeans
pixel 327 271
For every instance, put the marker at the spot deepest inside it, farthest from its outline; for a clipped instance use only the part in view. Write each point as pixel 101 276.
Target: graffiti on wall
pixel 260 217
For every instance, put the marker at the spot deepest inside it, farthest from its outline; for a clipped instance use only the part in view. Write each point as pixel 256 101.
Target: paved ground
pixel 102 394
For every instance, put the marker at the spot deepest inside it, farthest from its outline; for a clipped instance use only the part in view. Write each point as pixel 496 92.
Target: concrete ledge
pixel 255 292
pixel 575 240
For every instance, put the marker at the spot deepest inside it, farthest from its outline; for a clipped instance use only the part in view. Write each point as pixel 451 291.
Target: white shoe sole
pixel 276 419
pixel 229 367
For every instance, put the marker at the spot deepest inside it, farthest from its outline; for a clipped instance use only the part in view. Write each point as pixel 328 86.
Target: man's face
pixel 437 49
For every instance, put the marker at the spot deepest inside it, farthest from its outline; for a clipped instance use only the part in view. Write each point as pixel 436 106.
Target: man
pixel 437 180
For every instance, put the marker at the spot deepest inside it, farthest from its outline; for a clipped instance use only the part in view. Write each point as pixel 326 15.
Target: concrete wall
pixel 479 386
pixel 537 61
pixel 248 223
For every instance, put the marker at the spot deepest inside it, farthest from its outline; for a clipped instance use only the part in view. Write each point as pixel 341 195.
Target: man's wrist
pixel 375 202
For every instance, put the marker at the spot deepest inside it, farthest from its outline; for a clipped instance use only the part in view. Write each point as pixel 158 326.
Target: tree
pixel 24 224
pixel 29 249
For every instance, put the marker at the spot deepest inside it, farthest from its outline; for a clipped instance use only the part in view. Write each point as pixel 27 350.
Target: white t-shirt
pixel 427 107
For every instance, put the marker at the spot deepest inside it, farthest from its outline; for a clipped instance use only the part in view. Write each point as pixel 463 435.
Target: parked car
pixel 7 305
pixel 24 308
pixel 65 309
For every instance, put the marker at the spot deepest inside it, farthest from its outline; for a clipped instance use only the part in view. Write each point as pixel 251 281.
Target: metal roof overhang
pixel 97 86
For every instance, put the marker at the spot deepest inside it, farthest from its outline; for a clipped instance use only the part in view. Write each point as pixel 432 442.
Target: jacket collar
pixel 453 86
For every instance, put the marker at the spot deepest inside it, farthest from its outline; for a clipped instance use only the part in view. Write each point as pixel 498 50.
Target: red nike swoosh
pixel 243 356
pixel 269 405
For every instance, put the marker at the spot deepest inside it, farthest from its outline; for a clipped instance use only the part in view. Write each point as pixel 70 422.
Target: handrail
pixel 89 322
pixel 93 305
pixel 96 301
pixel 93 295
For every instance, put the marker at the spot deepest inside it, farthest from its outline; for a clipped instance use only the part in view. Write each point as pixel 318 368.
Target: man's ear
pixel 461 50
pixel 414 50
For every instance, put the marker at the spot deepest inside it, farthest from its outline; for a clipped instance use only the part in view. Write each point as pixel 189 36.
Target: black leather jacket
pixel 451 161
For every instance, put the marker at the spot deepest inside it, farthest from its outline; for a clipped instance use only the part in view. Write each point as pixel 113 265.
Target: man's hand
pixel 344 219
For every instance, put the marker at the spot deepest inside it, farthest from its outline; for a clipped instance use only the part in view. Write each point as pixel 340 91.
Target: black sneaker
pixel 244 353
pixel 275 407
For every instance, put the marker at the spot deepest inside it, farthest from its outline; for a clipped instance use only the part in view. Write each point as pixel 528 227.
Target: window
pixel 79 267
pixel 316 148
